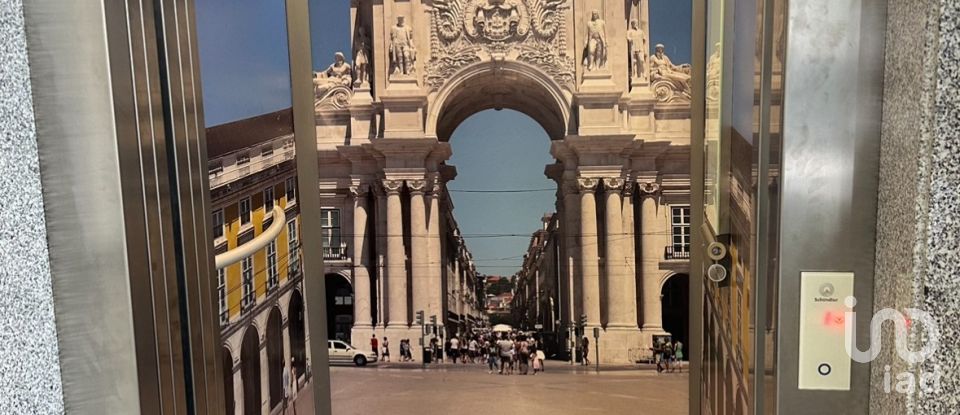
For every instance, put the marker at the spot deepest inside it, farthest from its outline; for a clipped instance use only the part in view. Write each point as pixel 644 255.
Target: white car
pixel 341 352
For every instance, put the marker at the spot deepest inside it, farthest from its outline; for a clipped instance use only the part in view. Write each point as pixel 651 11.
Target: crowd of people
pixel 668 355
pixel 503 352
pixel 511 352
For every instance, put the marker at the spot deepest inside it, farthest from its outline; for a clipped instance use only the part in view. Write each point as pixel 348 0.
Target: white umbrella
pixel 502 328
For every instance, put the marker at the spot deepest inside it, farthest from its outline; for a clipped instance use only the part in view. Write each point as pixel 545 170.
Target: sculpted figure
pixel 596 43
pixel 338 74
pixel 403 52
pixel 662 68
pixel 636 45
pixel 361 57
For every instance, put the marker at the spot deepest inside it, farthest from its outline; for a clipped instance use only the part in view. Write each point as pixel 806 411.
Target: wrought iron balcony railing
pixel 670 253
pixel 335 253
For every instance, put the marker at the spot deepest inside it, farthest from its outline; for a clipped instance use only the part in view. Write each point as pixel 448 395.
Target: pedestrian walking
pixel 386 349
pixel 524 353
pixel 585 351
pixel 668 355
pixel 454 349
pixel 505 346
pixel 293 386
pixel 541 358
pixel 286 388
pixel 491 355
pixel 678 355
pixel 375 345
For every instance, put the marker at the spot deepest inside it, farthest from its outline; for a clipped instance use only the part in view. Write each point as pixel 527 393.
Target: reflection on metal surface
pixel 236 254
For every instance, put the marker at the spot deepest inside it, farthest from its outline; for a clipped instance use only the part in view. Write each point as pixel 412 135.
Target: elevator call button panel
pixel 824 363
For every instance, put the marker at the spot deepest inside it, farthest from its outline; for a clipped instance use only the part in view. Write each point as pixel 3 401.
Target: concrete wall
pixel 29 362
pixel 918 227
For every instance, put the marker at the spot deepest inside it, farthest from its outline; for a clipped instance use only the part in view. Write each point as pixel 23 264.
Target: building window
pixel 218 224
pixel 243 158
pixel 291 187
pixel 273 278
pixel 293 248
pixel 330 228
pixel 249 291
pixel 680 225
pixel 222 295
pixel 343 296
pixel 268 200
pixel 244 211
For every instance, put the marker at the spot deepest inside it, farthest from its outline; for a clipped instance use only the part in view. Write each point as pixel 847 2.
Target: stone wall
pixel 918 238
pixel 29 362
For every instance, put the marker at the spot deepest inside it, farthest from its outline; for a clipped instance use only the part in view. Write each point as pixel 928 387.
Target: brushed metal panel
pixel 305 134
pixel 831 140
pixel 107 205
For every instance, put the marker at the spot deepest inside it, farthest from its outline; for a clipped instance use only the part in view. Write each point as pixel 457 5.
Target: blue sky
pixel 245 68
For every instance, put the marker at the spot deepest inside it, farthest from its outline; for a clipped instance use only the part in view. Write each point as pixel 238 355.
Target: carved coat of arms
pixel 465 31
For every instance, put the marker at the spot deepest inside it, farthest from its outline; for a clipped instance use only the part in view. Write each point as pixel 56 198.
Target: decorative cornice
pixel 359 189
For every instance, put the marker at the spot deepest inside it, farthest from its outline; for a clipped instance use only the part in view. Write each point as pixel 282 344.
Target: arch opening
pixel 297 331
pixel 229 403
pixel 675 307
pixel 501 85
pixel 275 357
pixel 339 307
pixel 250 370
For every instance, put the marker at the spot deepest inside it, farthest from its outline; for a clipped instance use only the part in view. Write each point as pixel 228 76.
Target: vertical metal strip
pixel 304 127
pixel 762 214
pixel 697 120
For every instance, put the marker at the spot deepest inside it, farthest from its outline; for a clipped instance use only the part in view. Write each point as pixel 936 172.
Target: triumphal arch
pixel 614 105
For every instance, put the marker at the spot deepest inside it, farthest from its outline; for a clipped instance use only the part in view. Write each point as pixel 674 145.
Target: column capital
pixel 417 186
pixel 392 186
pixel 613 183
pixel 650 188
pixel 587 184
pixel 359 189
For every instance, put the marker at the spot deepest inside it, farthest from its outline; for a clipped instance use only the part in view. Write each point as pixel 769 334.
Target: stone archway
pixel 613 130
pixel 250 370
pixel 229 400
pixel 675 308
pixel 339 307
pixel 297 329
pixel 498 85
pixel 275 362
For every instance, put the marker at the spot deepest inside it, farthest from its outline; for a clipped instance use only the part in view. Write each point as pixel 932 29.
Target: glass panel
pixel 245 62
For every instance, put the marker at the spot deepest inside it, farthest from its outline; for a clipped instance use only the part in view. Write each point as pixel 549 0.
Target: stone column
pixel 630 248
pixel 396 273
pixel 589 261
pixel 434 257
pixel 571 230
pixel 361 262
pixel 620 290
pixel 650 251
pixel 419 268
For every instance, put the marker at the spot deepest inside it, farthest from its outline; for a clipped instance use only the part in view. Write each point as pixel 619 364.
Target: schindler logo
pixel 826 291
pixel 906 381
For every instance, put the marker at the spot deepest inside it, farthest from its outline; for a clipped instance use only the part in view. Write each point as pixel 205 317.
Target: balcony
pixel 335 253
pixel 670 254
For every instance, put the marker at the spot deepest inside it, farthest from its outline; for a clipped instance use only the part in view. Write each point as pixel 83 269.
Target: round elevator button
pixel 824 369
